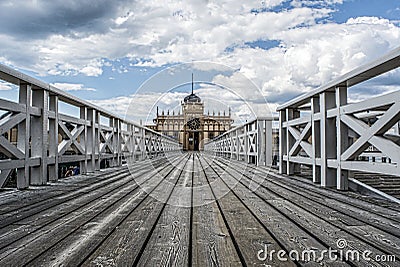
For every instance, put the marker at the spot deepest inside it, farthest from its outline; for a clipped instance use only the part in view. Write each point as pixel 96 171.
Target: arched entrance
pixel 193 141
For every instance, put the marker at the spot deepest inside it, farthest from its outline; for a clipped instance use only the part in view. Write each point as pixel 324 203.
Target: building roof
pixel 192 98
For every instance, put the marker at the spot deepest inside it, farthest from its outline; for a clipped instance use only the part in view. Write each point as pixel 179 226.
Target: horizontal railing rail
pixel 36 138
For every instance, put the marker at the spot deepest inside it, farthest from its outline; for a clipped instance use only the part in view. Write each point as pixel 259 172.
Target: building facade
pixel 191 126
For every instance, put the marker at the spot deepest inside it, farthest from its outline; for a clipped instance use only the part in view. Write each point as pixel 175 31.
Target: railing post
pixel 119 142
pixel 90 140
pixel 142 143
pixel 83 140
pixel 292 168
pixel 246 145
pixel 97 140
pixel 237 144
pixel 328 139
pixel 25 92
pixel 130 157
pixel 261 145
pixel 342 135
pixel 268 142
pixel 316 140
pixel 136 142
pixel 111 124
pixel 282 142
pixel 53 138
pixel 231 149
pixel 39 136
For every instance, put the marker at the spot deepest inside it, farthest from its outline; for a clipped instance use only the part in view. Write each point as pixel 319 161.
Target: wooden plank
pixel 111 222
pixel 11 122
pixel 125 244
pixel 43 199
pixel 318 219
pixel 169 243
pixel 247 231
pixel 290 235
pixel 42 219
pixel 370 206
pixel 212 245
pixel 9 149
pixel 106 212
pixel 11 163
pixel 347 213
pixel 28 202
pixel 12 106
pixel 66 118
pixel 51 234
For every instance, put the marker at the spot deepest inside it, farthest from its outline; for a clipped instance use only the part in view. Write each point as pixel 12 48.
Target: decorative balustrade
pixel 322 130
pixel 45 138
pixel 252 142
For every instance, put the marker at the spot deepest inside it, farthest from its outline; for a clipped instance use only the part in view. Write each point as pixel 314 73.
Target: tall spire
pixel 192 83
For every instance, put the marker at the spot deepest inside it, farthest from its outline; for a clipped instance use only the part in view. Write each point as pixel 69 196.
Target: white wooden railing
pixel 251 142
pixel 322 130
pixel 45 138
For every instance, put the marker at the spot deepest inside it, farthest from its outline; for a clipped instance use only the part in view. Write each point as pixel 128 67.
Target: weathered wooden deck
pixel 190 209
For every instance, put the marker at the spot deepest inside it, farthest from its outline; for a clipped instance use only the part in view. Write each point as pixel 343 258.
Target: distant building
pixel 191 126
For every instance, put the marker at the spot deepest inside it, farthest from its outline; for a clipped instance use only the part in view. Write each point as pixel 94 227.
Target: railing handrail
pixel 365 72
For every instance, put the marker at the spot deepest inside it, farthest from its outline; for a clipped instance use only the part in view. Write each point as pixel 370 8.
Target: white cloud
pixel 178 31
pixel 309 57
pixel 72 87
pixel 310 53
pixel 121 20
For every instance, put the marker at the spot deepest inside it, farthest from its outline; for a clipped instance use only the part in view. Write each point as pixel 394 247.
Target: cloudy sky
pixel 260 51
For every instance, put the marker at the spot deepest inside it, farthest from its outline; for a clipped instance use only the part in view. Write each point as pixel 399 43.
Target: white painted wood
pixel 11 122
pixel 388 120
pixel 328 138
pixel 282 142
pixel 370 104
pixel 3 176
pixel 339 131
pixel 53 138
pixel 342 134
pixel 9 149
pixel 97 126
pixel 7 105
pixel 39 137
pixel 301 160
pixel 83 140
pixel 300 138
pixel 90 140
pixel 382 168
pixel 268 147
pixel 316 140
pixel 298 121
pixel 38 152
pixel 24 135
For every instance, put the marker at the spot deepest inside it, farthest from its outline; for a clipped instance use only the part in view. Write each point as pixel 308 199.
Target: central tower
pixel 193 117
pixel 192 126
